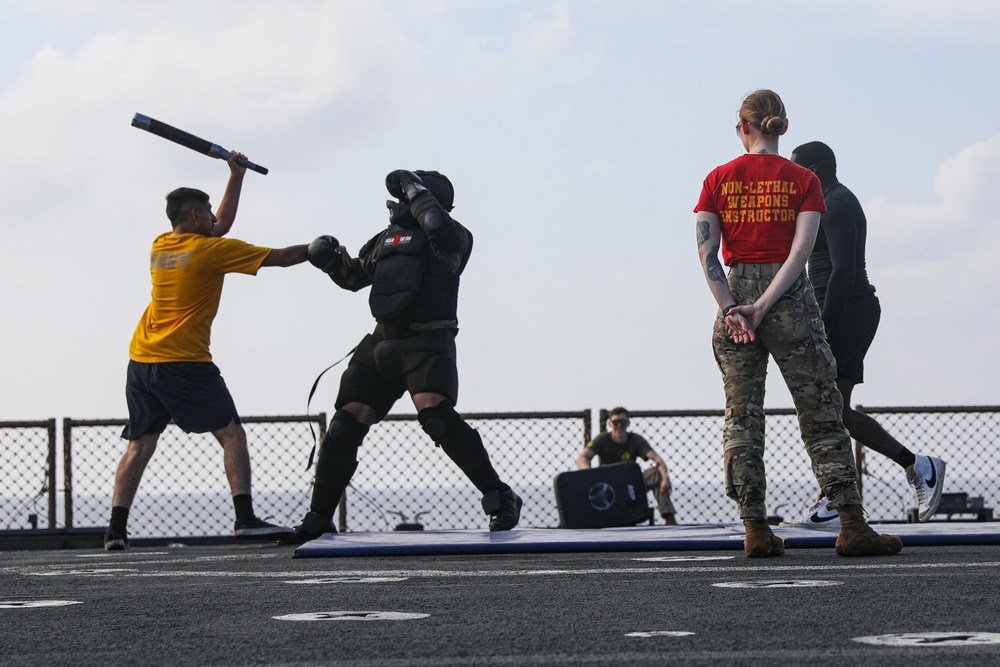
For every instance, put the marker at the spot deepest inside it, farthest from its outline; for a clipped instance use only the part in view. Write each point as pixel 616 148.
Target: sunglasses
pixel 619 422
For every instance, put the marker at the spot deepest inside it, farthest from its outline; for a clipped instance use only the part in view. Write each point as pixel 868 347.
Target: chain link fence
pixel 690 443
pixel 967 439
pixel 404 479
pixel 27 474
pixel 184 491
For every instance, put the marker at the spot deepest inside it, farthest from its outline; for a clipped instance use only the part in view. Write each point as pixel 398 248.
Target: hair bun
pixel 773 125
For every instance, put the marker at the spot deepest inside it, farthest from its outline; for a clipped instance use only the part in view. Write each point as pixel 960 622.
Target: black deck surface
pixel 231 605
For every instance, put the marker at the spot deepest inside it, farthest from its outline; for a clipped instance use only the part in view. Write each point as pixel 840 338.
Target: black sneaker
pixel 115 541
pixel 313 526
pixel 504 508
pixel 258 529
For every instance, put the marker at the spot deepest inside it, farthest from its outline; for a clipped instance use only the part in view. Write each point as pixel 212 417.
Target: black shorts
pixel 193 394
pixel 850 345
pixel 381 371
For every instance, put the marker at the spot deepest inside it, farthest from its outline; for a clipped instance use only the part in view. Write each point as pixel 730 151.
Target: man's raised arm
pixel 226 215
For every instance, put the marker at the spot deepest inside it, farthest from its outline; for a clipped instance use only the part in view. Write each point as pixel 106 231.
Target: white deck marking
pixel 35 604
pixel 680 559
pixel 103 572
pixel 661 633
pixel 801 583
pixel 757 570
pixel 352 616
pixel 347 580
pixel 932 639
pixel 121 555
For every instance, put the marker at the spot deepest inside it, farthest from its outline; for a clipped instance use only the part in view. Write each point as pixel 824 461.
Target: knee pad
pixel 461 443
pixel 344 433
pixel 441 422
pixel 338 455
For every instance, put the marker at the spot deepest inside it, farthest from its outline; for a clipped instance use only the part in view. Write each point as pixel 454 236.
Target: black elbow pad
pixel 432 222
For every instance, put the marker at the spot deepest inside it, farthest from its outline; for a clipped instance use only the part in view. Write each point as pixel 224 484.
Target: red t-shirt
pixel 757 197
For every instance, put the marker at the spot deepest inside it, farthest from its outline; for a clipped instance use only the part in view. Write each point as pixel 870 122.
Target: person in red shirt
pixel 763 211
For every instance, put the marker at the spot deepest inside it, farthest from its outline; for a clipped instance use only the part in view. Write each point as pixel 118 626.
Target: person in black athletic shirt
pixel 851 313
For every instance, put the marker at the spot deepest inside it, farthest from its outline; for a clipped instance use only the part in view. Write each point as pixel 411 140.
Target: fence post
pixel 50 472
pixel 588 416
pixel 68 469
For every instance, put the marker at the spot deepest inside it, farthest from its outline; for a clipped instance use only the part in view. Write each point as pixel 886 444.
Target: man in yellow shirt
pixel 170 373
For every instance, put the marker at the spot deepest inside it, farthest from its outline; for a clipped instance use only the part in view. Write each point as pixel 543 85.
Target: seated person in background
pixel 619 446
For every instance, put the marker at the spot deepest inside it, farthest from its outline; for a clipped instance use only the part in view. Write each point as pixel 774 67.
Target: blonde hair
pixel 764 109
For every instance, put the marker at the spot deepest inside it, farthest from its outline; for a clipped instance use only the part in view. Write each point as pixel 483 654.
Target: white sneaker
pixel 926 476
pixel 817 516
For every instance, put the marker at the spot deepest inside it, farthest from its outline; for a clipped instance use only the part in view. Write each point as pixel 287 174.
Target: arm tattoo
pixel 715 272
pixel 703 232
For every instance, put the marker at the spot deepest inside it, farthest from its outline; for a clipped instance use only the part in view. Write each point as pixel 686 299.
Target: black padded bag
pixel 602 497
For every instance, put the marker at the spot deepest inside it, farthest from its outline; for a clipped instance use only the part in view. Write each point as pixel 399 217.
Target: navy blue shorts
pixel 193 394
pixel 850 345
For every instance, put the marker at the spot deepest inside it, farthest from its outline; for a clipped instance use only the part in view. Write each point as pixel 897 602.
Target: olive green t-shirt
pixel 634 447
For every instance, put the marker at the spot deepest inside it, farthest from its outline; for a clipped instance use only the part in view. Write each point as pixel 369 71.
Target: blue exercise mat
pixel 640 538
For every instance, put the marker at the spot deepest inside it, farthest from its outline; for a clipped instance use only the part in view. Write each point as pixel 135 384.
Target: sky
pixel 577 135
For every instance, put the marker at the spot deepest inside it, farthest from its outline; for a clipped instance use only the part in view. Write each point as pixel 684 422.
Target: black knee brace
pixel 338 459
pixel 461 443
pixel 440 422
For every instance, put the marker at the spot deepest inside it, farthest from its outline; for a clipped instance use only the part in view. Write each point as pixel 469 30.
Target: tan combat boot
pixel 858 539
pixel 760 542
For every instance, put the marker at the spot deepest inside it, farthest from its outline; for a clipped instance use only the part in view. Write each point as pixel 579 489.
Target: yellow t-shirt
pixel 188 271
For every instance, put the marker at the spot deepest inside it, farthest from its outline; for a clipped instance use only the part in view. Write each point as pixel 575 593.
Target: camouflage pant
pixel 651 478
pixel 792 332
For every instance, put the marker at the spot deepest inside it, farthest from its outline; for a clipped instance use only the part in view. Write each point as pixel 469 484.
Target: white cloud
pixel 575 154
pixel 963 219
pixel 933 267
pixel 539 48
pixel 262 73
pixel 267 63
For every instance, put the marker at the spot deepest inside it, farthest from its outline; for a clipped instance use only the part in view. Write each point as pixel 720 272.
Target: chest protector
pixel 409 286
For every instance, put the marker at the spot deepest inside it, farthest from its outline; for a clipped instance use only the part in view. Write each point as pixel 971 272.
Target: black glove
pixel 323 253
pixel 403 184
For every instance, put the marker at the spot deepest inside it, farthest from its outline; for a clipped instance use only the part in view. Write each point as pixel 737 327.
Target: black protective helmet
pixel 437 183
pixel 440 187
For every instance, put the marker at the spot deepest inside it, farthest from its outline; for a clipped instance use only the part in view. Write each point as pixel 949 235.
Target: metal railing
pixel 27 474
pixel 402 474
pixel 967 438
pixel 404 478
pixel 184 489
